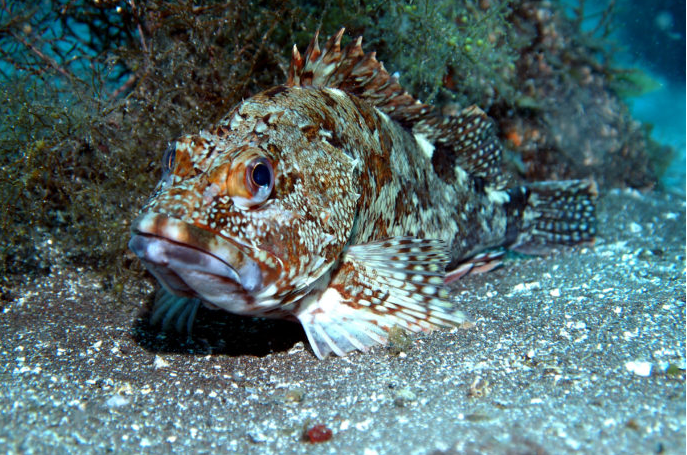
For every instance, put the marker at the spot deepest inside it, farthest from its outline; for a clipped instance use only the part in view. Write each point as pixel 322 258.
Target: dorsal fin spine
pixel 466 139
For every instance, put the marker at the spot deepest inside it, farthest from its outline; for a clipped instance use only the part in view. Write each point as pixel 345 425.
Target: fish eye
pixel 261 174
pixel 168 158
pixel 250 179
pixel 259 179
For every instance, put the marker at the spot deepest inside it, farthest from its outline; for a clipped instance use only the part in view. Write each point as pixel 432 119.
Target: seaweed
pixel 443 51
pixel 93 91
pixel 543 72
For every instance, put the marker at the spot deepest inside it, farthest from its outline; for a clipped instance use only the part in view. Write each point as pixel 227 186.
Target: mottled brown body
pixel 400 191
pixel 339 200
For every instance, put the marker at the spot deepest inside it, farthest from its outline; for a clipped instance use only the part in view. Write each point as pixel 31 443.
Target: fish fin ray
pixel 360 74
pixel 172 311
pixel 544 214
pixel 480 263
pixel 366 297
pixel 466 139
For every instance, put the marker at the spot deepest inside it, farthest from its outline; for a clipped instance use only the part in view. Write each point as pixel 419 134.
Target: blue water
pixel 654 33
pixel 650 36
pixel 665 110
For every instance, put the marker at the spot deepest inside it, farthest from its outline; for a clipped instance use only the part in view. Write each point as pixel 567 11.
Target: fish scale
pixel 340 201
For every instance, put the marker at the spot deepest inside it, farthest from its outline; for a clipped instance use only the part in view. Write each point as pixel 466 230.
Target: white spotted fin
pixel 544 214
pixel 377 286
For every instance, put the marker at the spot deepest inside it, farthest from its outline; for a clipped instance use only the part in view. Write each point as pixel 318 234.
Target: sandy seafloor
pixel 547 367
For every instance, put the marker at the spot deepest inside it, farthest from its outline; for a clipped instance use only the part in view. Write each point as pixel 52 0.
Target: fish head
pixel 248 214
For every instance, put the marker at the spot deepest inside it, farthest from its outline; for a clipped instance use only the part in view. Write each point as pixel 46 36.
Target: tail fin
pixel 547 213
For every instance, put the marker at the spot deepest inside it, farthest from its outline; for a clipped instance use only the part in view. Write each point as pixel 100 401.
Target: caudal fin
pixel 549 213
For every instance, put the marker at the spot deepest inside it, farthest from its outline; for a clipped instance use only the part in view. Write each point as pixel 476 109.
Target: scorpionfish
pixel 340 201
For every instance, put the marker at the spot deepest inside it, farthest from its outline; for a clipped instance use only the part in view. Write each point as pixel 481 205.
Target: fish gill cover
pixel 93 91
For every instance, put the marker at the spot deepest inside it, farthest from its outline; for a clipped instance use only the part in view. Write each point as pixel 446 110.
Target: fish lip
pixel 160 240
pixel 138 237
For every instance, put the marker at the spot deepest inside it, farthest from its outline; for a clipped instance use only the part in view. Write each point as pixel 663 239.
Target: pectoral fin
pixel 174 311
pixel 377 286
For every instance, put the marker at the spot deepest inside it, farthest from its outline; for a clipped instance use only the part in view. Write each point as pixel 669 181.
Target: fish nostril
pixel 169 159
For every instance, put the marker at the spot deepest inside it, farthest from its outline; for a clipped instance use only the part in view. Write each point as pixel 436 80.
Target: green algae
pixel 442 50
pixel 94 91
pixel 632 82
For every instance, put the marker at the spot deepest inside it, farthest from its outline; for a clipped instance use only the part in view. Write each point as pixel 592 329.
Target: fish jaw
pixel 192 262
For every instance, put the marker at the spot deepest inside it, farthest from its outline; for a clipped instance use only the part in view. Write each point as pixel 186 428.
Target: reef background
pixel 92 93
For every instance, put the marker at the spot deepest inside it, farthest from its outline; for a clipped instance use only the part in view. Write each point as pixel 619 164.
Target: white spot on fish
pixel 497 197
pixel 383 115
pixel 210 192
pixel 424 145
pixel 461 175
pixel 336 92
pixel 235 121
pixel 260 127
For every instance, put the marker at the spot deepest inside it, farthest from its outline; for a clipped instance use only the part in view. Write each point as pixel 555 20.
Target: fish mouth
pixel 193 262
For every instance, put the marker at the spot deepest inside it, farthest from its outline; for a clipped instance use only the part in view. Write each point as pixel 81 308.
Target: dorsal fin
pixel 466 139
pixel 355 72
pixel 469 138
